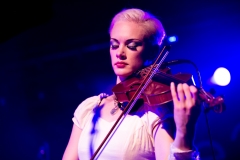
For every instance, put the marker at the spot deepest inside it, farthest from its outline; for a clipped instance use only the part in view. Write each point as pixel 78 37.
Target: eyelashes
pixel 131 46
pixel 114 46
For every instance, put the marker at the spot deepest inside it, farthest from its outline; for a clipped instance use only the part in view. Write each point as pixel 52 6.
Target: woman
pixel 135 39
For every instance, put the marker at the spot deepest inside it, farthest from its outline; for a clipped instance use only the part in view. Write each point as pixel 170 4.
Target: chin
pixel 123 74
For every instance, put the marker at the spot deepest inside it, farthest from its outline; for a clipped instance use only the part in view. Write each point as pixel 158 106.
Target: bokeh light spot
pixel 221 77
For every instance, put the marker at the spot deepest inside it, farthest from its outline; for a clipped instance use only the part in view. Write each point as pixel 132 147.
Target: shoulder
pixel 89 102
pixel 97 98
pixel 84 110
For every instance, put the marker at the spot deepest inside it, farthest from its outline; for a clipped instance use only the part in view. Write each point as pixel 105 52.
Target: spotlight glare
pixel 172 39
pixel 221 77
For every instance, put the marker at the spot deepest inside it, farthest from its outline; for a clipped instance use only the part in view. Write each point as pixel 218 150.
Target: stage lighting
pixel 221 77
pixel 172 39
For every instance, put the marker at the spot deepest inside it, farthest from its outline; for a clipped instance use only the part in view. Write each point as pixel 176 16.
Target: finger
pixel 180 93
pixel 189 101
pixel 173 92
pixel 187 92
pixel 193 90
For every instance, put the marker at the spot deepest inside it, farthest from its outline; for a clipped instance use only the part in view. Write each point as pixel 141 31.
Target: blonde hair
pixel 154 30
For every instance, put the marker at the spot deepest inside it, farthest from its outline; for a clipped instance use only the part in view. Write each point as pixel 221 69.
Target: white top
pixel 132 140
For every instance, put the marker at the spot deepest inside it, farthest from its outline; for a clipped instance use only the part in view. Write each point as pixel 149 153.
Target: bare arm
pixel 71 152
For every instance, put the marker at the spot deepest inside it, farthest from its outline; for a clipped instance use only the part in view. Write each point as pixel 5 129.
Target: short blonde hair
pixel 155 32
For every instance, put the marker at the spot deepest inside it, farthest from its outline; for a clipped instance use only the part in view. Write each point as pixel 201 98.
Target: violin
pixel 151 84
pixel 158 90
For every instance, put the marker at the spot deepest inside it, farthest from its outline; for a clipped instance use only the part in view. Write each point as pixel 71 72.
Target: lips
pixel 120 64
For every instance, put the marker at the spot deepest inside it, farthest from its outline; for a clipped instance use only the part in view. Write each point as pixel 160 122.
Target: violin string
pixel 180 61
pixel 169 77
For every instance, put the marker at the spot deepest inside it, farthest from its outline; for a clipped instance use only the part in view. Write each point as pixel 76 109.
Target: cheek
pixel 112 54
pixel 137 60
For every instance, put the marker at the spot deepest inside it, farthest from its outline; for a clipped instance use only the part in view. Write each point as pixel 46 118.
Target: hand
pixel 186 112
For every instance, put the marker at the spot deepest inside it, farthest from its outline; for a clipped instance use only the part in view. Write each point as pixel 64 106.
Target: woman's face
pixel 126 48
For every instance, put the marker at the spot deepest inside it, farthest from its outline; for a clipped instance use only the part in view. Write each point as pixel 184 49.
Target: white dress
pixel 132 140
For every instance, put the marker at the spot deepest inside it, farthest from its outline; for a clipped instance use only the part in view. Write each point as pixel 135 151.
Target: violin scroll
pixel 213 103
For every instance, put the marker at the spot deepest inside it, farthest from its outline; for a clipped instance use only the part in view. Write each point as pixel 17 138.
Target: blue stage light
pixel 172 39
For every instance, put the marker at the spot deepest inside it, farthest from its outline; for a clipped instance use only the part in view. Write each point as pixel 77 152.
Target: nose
pixel 121 53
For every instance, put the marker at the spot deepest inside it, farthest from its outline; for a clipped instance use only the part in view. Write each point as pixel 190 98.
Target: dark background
pixel 54 54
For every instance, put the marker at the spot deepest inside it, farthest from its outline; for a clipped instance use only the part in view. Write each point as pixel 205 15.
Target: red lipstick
pixel 120 64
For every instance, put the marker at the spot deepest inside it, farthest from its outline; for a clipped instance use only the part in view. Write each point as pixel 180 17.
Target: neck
pixel 123 78
pixel 120 79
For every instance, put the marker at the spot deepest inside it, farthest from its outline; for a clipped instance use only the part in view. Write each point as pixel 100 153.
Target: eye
pixel 114 45
pixel 133 45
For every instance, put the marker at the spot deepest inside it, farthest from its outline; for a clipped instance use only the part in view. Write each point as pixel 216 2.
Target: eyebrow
pixel 113 39
pixel 129 40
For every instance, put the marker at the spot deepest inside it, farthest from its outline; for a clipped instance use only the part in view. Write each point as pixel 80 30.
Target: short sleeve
pixel 83 111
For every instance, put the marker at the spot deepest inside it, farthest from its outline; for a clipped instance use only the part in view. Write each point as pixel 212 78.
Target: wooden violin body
pixel 158 90
pixel 154 94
